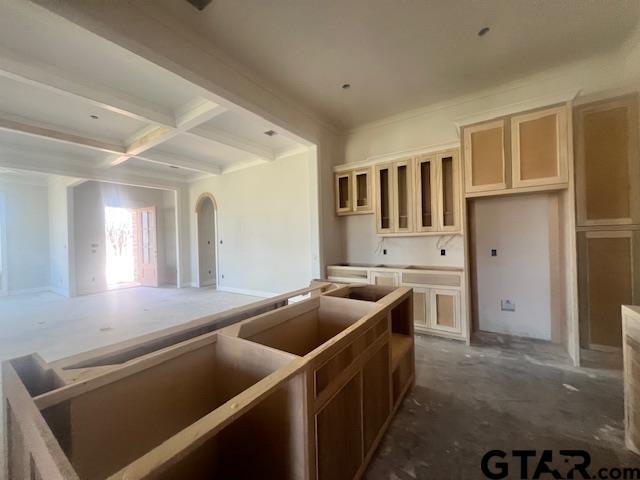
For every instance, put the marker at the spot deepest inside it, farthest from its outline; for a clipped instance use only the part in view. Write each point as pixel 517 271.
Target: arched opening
pixel 207 261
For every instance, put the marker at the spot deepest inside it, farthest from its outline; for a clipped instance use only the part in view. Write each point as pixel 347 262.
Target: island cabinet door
pixel 539 148
pixel 384 204
pixel 484 157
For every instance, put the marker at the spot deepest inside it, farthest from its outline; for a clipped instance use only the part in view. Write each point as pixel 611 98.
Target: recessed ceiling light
pixel 483 31
pixel 270 133
pixel 95 117
pixel 346 86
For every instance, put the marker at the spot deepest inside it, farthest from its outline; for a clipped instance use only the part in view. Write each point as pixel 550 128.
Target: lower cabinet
pixel 437 310
pixel 384 278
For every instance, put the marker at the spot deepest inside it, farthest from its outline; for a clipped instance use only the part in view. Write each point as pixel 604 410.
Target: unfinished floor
pixel 501 393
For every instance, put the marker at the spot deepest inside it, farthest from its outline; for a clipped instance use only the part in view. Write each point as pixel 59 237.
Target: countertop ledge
pixel 397 267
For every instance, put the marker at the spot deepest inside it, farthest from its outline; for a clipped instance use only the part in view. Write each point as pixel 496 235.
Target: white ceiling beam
pixel 65 166
pixel 51 78
pixel 50 133
pixel 180 161
pixel 13 124
pixel 190 115
pixel 218 136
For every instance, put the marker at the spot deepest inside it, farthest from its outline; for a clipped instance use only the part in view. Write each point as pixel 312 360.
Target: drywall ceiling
pixel 72 102
pixel 397 55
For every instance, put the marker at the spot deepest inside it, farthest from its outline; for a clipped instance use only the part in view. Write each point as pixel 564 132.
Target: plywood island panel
pixel 277 389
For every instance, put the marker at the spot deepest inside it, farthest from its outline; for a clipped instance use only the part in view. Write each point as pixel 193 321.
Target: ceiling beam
pixel 50 133
pixel 51 78
pixel 228 139
pixel 10 124
pixel 190 115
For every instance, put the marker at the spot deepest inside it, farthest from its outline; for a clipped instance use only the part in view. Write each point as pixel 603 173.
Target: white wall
pixel 60 209
pixel 89 201
pixel 27 234
pixel 518 228
pixel 264 223
pixel 435 126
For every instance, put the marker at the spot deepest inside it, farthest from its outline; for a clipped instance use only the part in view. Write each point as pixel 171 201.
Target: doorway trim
pixel 201 198
pixel 4 257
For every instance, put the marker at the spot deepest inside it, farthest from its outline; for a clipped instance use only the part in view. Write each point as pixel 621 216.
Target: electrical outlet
pixel 443 252
pixel 384 252
pixel 507 306
pixel 494 252
pixel 222 276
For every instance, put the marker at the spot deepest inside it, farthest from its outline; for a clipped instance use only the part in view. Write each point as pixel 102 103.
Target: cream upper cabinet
pixel 426 192
pixel 539 147
pixel 607 162
pixel 362 191
pixel 403 196
pixel 385 198
pixel 448 182
pixel 354 191
pixel 343 193
pixel 484 157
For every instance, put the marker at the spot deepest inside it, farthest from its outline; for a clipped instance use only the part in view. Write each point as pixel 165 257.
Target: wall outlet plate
pixel 494 252
pixel 507 306
pixel 443 252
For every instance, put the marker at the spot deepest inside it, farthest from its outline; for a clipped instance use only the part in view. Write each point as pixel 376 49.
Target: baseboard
pixel 25 291
pixel 242 291
pixel 60 291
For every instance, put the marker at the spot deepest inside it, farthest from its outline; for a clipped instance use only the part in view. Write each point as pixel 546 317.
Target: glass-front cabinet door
pixel 403 196
pixel 343 193
pixel 448 196
pixel 426 199
pixel 362 198
pixel 385 204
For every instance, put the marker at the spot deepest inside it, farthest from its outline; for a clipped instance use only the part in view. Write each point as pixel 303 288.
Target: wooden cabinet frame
pixel 368 208
pixel 630 102
pixel 468 157
pixel 410 199
pixel 560 114
pixel 390 194
pixel 453 154
pixel 348 208
pixel 457 326
pixel 419 161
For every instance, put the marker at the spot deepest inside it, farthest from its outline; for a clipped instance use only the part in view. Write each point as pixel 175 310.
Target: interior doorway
pixel 131 241
pixel 207 262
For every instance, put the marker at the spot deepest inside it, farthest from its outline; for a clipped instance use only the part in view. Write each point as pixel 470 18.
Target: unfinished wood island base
pixel 286 390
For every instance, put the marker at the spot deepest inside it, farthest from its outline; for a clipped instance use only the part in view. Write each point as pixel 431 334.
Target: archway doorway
pixel 207 261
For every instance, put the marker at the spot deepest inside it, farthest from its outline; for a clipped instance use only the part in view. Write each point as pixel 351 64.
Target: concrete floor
pixel 56 327
pixel 502 393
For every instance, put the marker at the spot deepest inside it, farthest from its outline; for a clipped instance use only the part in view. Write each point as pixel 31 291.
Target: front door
pixel 146 246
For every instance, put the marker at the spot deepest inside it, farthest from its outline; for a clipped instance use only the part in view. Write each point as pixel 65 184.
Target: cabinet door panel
pixel 421 306
pixel 343 193
pixel 484 157
pixel 607 162
pixel 376 396
pixel 384 203
pixel 445 310
pixel 448 192
pixel 339 433
pixel 539 147
pixel 362 191
pixel 609 284
pixel 403 196
pixel 426 194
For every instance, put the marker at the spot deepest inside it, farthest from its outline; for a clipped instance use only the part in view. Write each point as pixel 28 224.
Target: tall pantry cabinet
pixel 607 217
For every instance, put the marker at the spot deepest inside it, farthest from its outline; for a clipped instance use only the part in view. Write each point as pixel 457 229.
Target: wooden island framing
pixel 277 389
